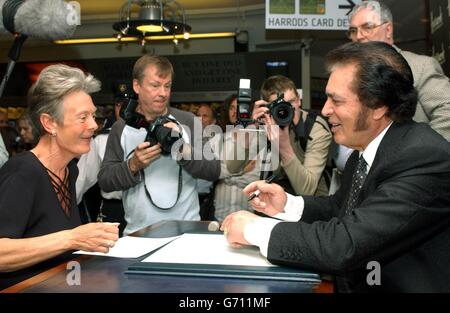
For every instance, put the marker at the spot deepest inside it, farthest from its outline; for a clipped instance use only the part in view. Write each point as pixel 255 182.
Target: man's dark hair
pixel 382 77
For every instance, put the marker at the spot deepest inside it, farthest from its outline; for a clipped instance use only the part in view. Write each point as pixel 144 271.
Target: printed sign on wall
pixel 308 14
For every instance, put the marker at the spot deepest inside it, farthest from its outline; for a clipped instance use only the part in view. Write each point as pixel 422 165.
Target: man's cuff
pixel 258 233
pixel 293 210
pixel 137 178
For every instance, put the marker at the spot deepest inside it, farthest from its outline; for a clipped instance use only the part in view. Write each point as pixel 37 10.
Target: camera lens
pixel 283 113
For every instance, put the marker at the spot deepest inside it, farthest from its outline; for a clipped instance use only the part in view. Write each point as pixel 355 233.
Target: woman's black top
pixel 29 207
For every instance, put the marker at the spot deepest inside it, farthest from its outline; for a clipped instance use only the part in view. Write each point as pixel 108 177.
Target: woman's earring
pixel 53 133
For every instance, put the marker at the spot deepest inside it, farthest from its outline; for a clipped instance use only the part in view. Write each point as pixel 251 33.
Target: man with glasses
pixel 372 21
pixel 156 185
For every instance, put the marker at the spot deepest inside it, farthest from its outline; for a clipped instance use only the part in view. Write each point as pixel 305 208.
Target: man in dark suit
pixel 388 227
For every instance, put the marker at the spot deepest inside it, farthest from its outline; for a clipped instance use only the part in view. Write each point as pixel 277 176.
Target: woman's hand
pixel 94 237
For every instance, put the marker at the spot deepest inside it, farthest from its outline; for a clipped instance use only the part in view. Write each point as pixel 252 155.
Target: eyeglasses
pixel 366 29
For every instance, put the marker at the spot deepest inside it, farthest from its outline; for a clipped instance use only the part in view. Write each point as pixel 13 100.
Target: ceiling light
pixel 147 38
pixel 155 17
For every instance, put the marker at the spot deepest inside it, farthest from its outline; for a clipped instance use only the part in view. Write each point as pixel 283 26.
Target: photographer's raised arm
pixel 115 173
pixel 193 160
pixel 259 111
pixel 237 154
pixel 305 173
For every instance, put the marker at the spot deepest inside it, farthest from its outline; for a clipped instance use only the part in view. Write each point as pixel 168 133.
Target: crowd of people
pixel 387 110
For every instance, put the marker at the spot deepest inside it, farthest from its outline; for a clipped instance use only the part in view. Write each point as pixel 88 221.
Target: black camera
pixel 281 111
pixel 165 136
pixel 156 131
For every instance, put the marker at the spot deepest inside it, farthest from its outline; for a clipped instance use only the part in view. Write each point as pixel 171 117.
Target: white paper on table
pixel 132 247
pixel 207 249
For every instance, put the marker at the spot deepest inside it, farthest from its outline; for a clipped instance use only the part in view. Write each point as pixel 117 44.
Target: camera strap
pixel 303 128
pixel 180 188
pixel 264 173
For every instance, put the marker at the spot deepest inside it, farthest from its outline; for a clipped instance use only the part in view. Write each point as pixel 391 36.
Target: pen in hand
pixel 269 180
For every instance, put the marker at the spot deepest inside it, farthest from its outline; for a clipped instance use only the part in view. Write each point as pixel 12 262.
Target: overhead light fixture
pixel 155 18
pixel 147 38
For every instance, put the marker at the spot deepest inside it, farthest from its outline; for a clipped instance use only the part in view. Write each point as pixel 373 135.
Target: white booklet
pixel 207 249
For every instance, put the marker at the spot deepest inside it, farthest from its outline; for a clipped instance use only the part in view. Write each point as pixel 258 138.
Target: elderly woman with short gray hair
pixel 39 219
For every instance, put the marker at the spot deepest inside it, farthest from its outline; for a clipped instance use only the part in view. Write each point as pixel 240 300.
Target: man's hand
pixel 186 149
pixel 234 225
pixel 173 125
pixel 271 199
pixel 143 156
pixel 259 109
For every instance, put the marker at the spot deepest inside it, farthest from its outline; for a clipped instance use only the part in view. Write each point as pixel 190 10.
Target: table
pixel 107 275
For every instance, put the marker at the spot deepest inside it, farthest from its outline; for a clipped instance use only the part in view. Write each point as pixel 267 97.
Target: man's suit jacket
pixel 401 220
pixel 433 89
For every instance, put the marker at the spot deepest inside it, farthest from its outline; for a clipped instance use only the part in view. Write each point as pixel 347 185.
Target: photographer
pixel 156 186
pixel 304 139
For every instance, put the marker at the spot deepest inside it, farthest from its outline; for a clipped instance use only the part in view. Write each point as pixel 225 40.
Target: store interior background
pixel 206 70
